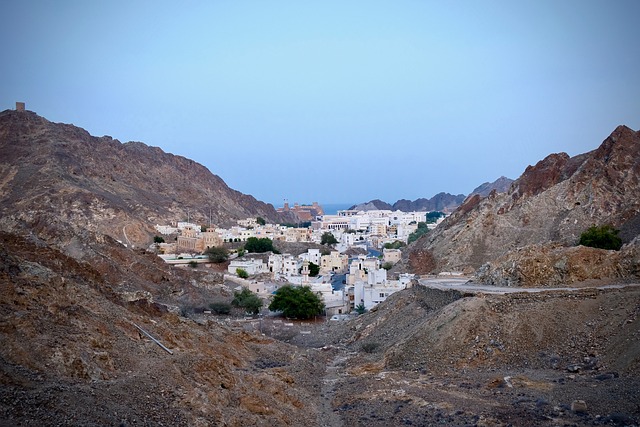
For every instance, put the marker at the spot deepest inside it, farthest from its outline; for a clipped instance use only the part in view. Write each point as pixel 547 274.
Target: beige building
pixel 391 255
pixel 335 262
pixel 193 240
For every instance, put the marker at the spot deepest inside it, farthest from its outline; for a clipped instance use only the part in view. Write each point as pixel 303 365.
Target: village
pixel 350 272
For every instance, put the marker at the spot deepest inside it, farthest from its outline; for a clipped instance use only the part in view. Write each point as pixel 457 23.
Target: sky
pixel 333 101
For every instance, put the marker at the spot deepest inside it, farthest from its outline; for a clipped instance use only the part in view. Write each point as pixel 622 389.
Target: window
pixel 381 295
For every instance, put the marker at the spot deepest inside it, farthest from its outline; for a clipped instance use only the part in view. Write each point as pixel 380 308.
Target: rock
pixel 579 406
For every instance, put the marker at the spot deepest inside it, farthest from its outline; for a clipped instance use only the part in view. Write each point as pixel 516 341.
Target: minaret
pixel 305 271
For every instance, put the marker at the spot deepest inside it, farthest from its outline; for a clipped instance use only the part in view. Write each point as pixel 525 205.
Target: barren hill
pixel 58 172
pixel 443 202
pixel 551 203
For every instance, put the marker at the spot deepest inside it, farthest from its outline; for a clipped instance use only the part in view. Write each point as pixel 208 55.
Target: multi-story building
pixel 334 263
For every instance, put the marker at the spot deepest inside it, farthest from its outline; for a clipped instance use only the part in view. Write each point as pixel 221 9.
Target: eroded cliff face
pixel 552 202
pixel 57 172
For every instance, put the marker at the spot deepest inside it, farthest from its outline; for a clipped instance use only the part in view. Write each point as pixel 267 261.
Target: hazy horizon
pixel 333 100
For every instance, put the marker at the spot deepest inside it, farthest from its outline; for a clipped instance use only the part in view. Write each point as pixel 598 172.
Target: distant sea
pixel 333 208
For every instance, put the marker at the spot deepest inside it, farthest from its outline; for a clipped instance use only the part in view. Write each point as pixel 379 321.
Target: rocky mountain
pixel 373 205
pixel 443 202
pixel 81 316
pixel 58 172
pixel 501 185
pixel 552 203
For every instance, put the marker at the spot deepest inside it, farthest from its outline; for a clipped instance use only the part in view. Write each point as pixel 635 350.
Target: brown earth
pixel 71 354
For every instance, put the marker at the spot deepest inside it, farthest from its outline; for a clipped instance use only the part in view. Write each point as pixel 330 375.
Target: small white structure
pixel 251 266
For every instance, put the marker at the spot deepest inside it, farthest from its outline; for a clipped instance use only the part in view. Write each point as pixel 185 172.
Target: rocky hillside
pixel 57 172
pixel 501 185
pixel 552 202
pixel 72 354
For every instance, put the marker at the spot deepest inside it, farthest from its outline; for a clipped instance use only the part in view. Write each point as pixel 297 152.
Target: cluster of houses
pixel 365 281
pixel 351 228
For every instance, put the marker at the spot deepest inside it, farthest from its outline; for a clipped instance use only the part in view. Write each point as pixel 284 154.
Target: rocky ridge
pixel 57 172
pixel 551 203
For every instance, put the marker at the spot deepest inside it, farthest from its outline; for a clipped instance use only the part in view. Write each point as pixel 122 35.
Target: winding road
pixel 463 284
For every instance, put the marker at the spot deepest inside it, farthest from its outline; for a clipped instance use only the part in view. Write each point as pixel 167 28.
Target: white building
pixel 251 266
pixel 284 265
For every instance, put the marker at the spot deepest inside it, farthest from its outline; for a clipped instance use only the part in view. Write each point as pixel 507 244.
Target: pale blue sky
pixel 334 101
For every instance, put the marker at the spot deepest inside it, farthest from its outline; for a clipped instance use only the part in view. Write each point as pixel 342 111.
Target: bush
pixel 242 273
pixel 360 308
pixel 387 265
pixel 247 300
pixel 602 237
pixel 369 347
pixel 193 264
pixel 217 254
pixel 421 231
pixel 220 307
pixel 298 302
pixel 395 245
pixel 158 239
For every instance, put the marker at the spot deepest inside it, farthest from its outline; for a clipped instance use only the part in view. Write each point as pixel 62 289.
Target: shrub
pixel 387 265
pixel 369 347
pixel 247 300
pixel 158 239
pixel 193 264
pixel 421 231
pixel 220 307
pixel 602 237
pixel 395 245
pixel 242 273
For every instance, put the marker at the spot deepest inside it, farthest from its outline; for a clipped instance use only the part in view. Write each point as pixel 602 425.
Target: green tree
pixel 256 245
pixel 360 308
pixel 261 221
pixel 395 245
pixel 217 254
pixel 433 216
pixel 242 273
pixel 314 269
pixel 247 300
pixel 387 265
pixel 328 239
pixel 298 302
pixel 602 237
pixel 158 239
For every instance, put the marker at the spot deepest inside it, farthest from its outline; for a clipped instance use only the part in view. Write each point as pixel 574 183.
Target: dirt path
pixel 334 370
